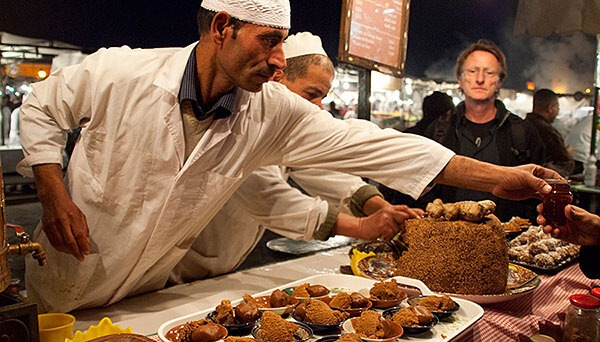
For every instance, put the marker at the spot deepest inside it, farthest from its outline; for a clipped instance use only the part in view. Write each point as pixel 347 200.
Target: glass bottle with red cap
pixel 582 322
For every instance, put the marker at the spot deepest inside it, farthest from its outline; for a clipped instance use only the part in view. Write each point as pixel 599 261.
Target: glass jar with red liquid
pixel 556 200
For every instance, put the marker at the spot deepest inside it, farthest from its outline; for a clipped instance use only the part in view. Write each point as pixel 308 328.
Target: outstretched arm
pixel 513 183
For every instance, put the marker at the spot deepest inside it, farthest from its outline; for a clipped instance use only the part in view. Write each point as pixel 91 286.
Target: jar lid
pixel 541 338
pixel 596 291
pixel 585 301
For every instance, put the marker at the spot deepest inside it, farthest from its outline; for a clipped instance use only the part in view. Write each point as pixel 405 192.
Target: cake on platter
pixel 457 248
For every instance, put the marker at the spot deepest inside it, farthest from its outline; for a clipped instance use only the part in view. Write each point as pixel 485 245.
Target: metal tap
pixel 25 246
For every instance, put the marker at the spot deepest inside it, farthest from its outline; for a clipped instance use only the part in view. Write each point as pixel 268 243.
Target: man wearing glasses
pixel 482 128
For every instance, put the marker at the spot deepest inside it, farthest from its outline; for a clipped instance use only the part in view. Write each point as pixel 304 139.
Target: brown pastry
pixel 209 332
pixel 320 313
pixel 341 301
pixel 249 299
pixel 358 301
pixel 413 316
pixel 300 311
pixel 225 313
pixel 369 325
pixel 273 328
pixel 246 312
pixel 241 339
pixel 301 291
pixel 185 332
pixel 317 290
pixel 387 291
pixel 437 303
pixel 352 337
pixel 279 299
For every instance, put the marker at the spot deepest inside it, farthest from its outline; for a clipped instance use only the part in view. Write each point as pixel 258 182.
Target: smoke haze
pixel 564 64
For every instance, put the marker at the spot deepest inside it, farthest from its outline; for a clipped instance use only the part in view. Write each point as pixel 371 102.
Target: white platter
pixel 504 297
pixel 447 330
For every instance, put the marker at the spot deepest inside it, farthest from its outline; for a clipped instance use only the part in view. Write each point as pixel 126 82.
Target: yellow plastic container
pixel 105 327
pixel 55 327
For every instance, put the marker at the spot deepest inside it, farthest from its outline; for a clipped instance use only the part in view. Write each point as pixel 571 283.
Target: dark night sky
pixel 438 30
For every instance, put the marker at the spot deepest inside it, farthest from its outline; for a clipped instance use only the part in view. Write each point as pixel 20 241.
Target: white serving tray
pixel 447 330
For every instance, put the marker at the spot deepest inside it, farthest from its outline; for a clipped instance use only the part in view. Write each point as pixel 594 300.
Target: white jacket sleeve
pixel 405 162
pixel 331 186
pixel 273 203
pixel 56 105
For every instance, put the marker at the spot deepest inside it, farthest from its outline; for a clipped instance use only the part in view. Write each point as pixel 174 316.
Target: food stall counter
pixel 145 313
pixel 505 321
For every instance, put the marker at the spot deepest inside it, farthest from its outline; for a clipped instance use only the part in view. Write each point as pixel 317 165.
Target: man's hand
pixel 524 181
pixel 64 224
pixel 582 227
pixel 383 224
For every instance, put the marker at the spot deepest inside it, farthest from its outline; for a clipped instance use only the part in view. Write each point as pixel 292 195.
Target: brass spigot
pixel 25 246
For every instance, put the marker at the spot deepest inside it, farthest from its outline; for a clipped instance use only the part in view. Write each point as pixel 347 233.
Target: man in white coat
pixel 167 135
pixel 265 200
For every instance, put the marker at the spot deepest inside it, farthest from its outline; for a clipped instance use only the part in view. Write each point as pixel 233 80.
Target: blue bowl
pixel 321 327
pixel 234 329
pixel 439 314
pixel 303 334
pixel 411 329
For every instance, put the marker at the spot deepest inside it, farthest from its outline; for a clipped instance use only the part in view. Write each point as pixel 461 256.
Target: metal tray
pixel 547 270
pixel 447 330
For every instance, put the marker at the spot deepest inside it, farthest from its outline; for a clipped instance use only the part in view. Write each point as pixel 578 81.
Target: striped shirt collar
pixel 190 92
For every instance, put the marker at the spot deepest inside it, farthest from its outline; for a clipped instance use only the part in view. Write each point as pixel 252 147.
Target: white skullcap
pixel 274 13
pixel 303 43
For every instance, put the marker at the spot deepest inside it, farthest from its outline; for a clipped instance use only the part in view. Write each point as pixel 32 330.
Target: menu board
pixel 373 34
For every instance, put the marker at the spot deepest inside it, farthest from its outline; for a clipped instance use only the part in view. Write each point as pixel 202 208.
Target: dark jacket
pixel 557 156
pixel 513 141
pixel 419 128
pixel 588 261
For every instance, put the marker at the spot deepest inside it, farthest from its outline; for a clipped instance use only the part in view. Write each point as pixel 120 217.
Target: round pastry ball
pixel 245 313
pixel 300 311
pixel 317 290
pixel 206 333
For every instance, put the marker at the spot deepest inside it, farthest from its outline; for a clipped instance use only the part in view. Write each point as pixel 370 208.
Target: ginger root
pixel 464 210
pixel 435 209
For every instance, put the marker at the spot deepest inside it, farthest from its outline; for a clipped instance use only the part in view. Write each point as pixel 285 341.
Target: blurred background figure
pixel 351 112
pixel 6 111
pixel 334 110
pixel 434 105
pixel 580 138
pixel 545 110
